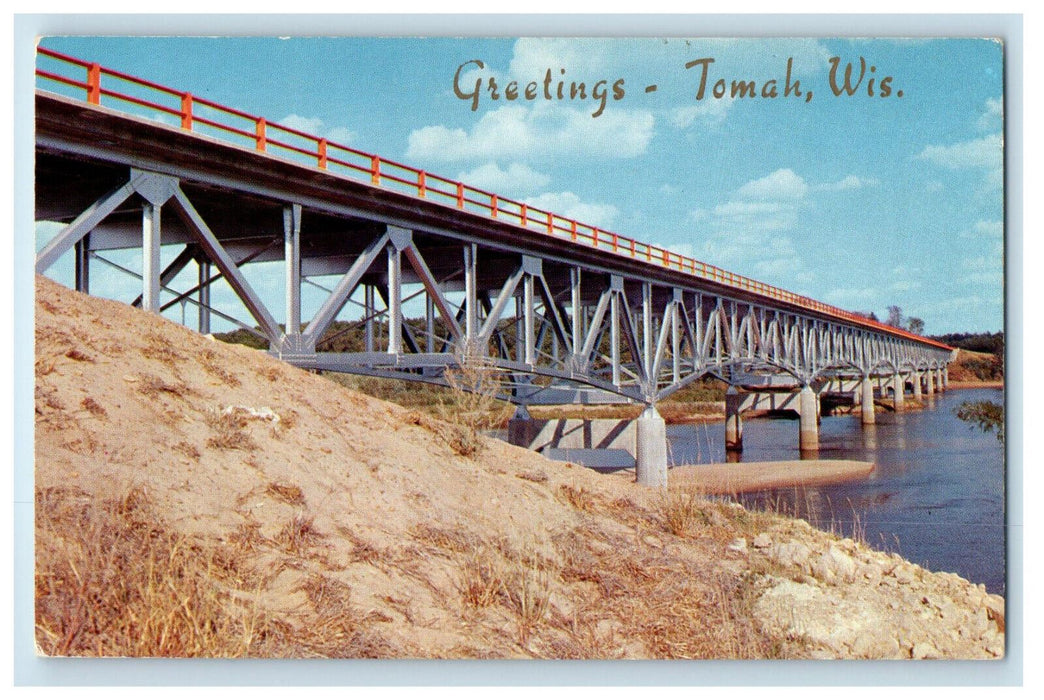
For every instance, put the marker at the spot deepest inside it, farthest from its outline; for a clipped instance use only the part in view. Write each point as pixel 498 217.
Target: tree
pixel 915 325
pixel 895 317
pixel 989 416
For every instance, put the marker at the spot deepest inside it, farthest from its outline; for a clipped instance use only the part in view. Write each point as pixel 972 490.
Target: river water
pixel 936 495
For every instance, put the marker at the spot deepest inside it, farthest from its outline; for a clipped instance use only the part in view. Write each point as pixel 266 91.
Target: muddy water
pixel 936 495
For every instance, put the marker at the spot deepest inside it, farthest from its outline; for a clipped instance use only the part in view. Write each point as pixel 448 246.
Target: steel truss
pixel 552 327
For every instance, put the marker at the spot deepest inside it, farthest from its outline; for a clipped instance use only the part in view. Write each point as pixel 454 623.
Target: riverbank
pixel 302 519
pixel 744 477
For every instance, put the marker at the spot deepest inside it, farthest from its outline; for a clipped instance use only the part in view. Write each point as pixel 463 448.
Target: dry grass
pixel 287 493
pixel 229 431
pixel 299 535
pixel 578 497
pixel 111 580
pixel 210 363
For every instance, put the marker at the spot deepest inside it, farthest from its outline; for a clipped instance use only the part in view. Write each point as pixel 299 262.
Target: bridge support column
pixel 867 402
pixel 150 253
pixel 204 295
pixel 651 449
pixel 522 429
pixel 733 421
pixel 939 381
pixel 916 386
pixel 946 377
pixel 929 387
pixel 809 435
pixel 83 265
pixel 898 388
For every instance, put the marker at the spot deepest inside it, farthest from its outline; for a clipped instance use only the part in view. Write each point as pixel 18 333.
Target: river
pixel 936 495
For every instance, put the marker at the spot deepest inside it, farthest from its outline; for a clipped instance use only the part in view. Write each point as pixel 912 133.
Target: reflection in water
pixel 936 494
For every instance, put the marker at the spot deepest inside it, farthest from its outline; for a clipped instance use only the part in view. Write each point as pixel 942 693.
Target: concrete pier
pixel 522 429
pixel 809 436
pixel 939 381
pixel 867 402
pixel 929 383
pixel 733 420
pixel 651 449
pixel 917 386
pixel 898 389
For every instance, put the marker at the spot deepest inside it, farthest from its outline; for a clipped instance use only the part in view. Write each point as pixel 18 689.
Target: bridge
pixel 439 277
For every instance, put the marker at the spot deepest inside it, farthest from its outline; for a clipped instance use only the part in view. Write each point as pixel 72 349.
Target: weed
pixel 228 431
pixel 287 493
pixel 578 497
pixel 681 511
pixel 298 535
pixel 112 580
pixel 208 359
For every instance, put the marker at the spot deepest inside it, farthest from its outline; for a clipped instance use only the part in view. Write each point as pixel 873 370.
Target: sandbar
pixel 742 477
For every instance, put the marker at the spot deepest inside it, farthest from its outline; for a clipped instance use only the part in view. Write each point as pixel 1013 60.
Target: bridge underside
pixel 416 290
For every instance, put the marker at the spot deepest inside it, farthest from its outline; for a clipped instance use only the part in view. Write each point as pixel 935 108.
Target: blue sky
pixel 859 201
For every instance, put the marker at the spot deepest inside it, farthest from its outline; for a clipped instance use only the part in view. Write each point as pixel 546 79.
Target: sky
pixel 862 201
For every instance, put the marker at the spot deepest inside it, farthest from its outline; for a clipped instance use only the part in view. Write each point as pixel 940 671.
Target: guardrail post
pixel 261 139
pixel 422 184
pixel 375 170
pixel 94 84
pixel 460 195
pixel 186 111
pixel 525 214
pixel 494 205
pixel 322 154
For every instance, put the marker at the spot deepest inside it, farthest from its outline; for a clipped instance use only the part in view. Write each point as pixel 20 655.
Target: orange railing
pixel 203 116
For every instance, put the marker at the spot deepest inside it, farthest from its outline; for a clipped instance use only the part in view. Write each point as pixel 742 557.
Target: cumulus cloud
pixel 993 115
pixel 518 178
pixel 541 131
pixel 709 112
pixel 849 182
pixel 985 152
pixel 783 184
pixel 568 204
pixel 315 127
pixel 747 232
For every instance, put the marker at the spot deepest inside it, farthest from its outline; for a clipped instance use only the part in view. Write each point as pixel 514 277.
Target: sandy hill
pixel 197 498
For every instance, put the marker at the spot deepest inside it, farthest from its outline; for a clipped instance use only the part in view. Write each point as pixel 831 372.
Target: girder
pixel 544 316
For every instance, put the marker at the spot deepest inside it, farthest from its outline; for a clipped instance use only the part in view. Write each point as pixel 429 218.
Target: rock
pixel 903 573
pixel 790 554
pixel 925 650
pixel 995 610
pixel 738 545
pixel 762 541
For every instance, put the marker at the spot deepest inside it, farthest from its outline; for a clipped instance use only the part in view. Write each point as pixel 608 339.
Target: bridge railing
pixel 142 97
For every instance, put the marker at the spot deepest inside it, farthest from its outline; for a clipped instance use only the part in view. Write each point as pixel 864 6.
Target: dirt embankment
pixel 200 499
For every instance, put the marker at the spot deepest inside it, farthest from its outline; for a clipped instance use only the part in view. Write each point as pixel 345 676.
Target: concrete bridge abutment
pixel 808 414
pixel 733 420
pixel 866 403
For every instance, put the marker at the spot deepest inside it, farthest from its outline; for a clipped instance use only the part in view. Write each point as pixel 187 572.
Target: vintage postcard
pixel 520 348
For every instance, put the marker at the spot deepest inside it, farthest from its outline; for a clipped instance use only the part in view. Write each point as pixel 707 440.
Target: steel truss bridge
pixel 437 275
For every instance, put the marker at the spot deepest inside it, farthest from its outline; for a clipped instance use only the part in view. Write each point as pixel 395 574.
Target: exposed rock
pixel 762 540
pixel 738 545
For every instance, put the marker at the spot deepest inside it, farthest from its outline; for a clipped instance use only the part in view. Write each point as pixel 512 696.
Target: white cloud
pixel 315 127
pixel 517 178
pixel 990 230
pixel 985 152
pixel 849 182
pixel 783 184
pixel 567 204
pixel 541 131
pixel 708 112
pixel 992 116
